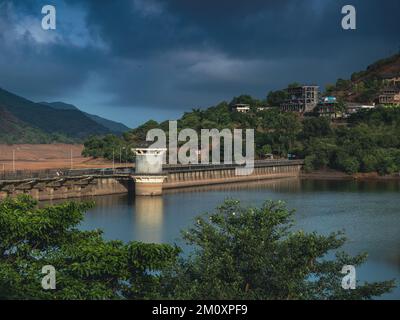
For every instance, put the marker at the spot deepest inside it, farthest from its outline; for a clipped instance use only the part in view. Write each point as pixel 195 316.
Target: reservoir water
pixel 368 212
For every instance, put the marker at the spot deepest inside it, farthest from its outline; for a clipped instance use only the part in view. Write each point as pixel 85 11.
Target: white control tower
pixel 148 173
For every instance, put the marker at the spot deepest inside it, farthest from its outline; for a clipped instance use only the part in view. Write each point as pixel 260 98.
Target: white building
pixel 241 107
pixel 353 107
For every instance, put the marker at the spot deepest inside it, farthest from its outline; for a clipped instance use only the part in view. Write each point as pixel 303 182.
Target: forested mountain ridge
pixel 113 126
pixel 24 121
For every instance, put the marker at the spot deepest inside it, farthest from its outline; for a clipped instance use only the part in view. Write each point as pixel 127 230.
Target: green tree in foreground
pixel 87 266
pixel 253 253
pixel 240 253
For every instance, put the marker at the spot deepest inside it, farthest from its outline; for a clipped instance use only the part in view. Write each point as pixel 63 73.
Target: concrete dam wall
pixel 204 176
pixel 51 189
pixel 93 184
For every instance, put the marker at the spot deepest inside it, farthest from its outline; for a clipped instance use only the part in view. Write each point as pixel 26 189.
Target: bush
pixel 369 163
pixel 386 163
pixel 347 163
pixel 309 163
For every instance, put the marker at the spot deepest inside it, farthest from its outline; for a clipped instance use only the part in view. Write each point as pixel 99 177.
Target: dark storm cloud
pixel 179 54
pixel 262 28
pixel 40 75
pixel 41 64
pixel 140 28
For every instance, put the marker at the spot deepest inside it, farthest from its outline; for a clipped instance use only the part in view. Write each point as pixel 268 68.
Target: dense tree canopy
pixel 87 266
pixel 371 143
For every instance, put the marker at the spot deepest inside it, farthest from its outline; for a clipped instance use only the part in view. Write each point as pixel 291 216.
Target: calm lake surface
pixel 369 213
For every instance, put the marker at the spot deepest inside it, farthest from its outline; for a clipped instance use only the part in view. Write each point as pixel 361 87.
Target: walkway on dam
pixel 120 172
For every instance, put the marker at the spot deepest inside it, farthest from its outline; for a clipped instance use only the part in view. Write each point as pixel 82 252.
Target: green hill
pixel 13 130
pixel 113 126
pixel 364 86
pixel 24 121
pixel 60 105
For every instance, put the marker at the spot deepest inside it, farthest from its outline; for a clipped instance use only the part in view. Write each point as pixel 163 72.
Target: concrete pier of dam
pixel 94 182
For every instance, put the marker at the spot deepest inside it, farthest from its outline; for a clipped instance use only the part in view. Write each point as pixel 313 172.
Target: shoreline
pixel 72 187
pixel 339 175
pixel 39 157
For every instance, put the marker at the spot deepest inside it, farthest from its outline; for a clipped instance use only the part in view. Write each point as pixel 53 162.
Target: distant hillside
pixel 113 126
pixel 364 86
pixel 13 130
pixel 24 121
pixel 60 105
pixel 380 69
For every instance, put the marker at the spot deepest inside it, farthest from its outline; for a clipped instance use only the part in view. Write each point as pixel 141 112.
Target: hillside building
pixel 392 80
pixel 301 99
pixel 265 108
pixel 241 107
pixel 389 96
pixel 327 107
pixel 353 107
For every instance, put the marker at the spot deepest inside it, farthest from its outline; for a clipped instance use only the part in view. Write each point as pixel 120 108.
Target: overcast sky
pixel 136 60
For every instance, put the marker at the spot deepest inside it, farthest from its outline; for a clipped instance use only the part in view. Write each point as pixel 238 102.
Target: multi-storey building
pixel 389 96
pixel 327 107
pixel 392 80
pixel 301 99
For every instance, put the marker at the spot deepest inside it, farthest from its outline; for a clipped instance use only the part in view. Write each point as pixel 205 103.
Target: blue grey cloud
pixel 155 59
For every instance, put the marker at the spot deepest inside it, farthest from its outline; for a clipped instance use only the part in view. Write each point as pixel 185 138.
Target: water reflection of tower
pixel 149 219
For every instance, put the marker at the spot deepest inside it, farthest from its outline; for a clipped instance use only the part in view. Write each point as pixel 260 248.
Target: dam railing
pixel 120 171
